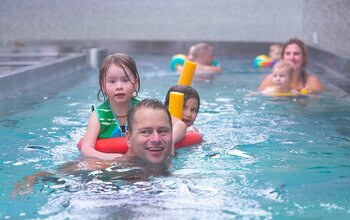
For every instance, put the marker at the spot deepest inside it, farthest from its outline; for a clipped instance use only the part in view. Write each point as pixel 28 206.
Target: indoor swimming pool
pixel 262 157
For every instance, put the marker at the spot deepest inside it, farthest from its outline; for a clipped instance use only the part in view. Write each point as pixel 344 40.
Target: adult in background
pixel 295 51
pixel 203 55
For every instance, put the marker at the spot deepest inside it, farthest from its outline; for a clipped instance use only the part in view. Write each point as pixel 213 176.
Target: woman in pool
pixel 295 51
pixel 282 76
pixel 190 107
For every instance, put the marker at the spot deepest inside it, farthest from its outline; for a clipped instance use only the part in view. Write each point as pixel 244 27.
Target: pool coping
pixel 13 83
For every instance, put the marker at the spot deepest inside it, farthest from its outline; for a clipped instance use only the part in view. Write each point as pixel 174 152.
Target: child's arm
pixel 267 81
pixel 179 131
pixel 268 91
pixel 88 146
pixel 192 129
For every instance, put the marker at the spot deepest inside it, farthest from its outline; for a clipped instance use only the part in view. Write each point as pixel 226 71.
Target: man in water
pixel 149 134
pixel 149 138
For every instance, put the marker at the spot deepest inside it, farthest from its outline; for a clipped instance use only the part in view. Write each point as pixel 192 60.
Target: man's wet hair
pixel 147 104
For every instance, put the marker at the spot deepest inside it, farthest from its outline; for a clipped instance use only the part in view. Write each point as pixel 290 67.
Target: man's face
pixel 151 137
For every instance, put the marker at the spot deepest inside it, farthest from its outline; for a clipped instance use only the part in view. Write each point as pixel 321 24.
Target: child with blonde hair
pixel 282 76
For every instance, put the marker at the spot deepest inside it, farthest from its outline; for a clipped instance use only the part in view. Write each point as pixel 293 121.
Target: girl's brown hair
pixel 188 92
pixel 123 61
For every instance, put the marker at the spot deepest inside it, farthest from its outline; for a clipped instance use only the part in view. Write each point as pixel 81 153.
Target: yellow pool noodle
pixel 176 102
pixel 187 73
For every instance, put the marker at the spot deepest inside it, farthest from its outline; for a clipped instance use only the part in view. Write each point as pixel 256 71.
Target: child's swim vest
pixel 109 124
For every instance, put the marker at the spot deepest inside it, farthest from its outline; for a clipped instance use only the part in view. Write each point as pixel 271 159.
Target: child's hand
pixel 192 129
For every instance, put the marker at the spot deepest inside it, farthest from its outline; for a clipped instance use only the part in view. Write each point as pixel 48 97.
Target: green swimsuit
pixel 109 124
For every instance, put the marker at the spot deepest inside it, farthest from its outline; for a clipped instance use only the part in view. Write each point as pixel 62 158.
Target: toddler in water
pixel 275 52
pixel 190 107
pixel 282 75
pixel 119 84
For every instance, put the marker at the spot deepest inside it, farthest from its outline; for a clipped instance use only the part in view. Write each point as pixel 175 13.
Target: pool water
pixel 262 158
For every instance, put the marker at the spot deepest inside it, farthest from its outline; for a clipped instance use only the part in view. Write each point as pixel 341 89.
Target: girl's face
pixel 294 54
pixel 118 86
pixel 189 112
pixel 281 80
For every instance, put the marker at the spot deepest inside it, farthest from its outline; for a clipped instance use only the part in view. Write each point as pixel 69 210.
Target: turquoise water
pixel 261 158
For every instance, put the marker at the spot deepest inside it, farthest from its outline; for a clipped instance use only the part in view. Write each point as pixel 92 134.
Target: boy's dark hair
pixel 188 92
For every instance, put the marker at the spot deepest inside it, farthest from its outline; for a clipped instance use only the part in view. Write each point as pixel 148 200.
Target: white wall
pixel 180 20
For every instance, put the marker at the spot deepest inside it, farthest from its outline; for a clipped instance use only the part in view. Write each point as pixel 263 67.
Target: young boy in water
pixel 282 75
